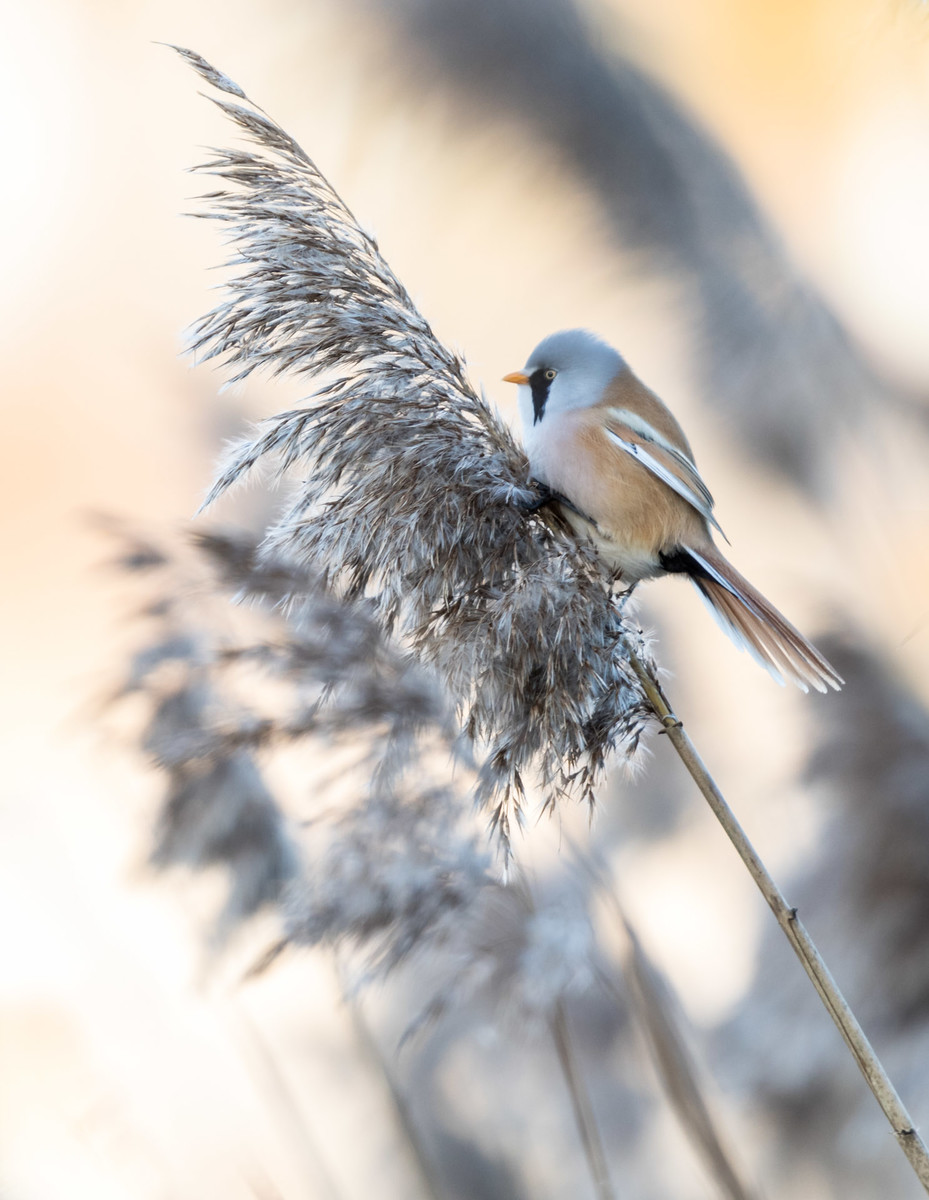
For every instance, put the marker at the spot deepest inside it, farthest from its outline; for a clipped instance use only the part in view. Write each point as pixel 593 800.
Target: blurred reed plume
pixel 415 493
pixel 223 684
pixel 673 199
pixel 216 811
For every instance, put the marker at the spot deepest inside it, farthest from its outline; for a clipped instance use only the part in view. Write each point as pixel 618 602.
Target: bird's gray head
pixel 571 369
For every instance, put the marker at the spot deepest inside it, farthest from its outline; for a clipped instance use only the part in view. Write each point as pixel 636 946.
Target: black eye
pixel 550 374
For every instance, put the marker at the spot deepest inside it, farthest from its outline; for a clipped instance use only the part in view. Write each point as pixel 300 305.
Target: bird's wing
pixel 665 461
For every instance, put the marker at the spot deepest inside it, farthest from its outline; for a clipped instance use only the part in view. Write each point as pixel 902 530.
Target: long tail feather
pixel 756 625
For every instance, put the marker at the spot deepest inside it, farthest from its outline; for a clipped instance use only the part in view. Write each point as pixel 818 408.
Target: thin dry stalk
pixel 678 1072
pixel 651 1004
pixel 406 1124
pixel 580 1103
pixel 836 1005
pixel 264 1068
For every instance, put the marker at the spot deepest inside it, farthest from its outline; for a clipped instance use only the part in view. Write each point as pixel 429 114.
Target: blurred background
pixel 736 195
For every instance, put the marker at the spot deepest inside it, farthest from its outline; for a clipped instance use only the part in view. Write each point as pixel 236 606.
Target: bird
pixel 614 460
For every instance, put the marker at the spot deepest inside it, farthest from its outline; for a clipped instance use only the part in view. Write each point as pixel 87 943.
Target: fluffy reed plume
pixel 415 494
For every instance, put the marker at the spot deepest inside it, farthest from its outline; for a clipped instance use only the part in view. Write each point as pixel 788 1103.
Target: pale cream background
pixel 119 1076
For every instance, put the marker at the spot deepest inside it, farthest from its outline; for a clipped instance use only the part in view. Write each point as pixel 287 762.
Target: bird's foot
pixel 621 593
pixel 545 497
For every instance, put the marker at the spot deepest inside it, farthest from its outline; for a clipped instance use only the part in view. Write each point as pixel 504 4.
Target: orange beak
pixel 516 377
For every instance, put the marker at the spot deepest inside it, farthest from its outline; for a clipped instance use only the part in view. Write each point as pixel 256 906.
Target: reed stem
pixel 836 1005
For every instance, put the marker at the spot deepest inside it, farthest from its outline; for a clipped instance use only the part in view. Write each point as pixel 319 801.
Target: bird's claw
pixel 545 497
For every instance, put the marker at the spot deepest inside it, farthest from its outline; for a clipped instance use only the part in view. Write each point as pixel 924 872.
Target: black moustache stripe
pixel 540 388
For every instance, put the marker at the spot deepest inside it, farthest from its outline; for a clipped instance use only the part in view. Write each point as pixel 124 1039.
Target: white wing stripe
pixel 640 426
pixel 676 484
